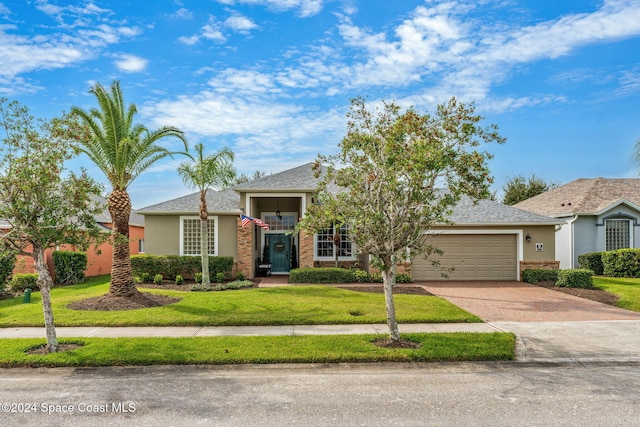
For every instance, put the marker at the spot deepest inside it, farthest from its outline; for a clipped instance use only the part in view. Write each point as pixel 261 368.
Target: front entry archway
pixel 279 252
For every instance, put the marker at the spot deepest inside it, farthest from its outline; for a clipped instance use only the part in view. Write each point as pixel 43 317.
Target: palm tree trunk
pixel 389 279
pixel 204 238
pixel 122 284
pixel 45 282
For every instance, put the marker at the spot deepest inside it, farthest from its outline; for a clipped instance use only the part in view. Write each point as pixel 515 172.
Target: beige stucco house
pixel 489 241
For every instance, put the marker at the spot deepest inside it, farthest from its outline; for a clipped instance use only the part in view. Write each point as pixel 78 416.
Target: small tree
pixel 215 171
pixel 43 208
pixel 397 175
pixel 520 188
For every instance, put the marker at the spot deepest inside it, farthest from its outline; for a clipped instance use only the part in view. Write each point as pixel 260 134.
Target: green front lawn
pixel 292 305
pixel 283 349
pixel 627 289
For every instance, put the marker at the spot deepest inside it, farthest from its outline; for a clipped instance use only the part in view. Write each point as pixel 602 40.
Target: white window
pixel 141 246
pixel 190 235
pixel 617 234
pixel 324 246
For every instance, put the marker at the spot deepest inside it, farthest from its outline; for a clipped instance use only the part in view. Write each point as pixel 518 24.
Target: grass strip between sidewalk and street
pixel 628 289
pixel 289 305
pixel 459 346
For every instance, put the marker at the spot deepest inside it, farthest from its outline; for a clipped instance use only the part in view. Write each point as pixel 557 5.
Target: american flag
pixel 261 223
pixel 245 220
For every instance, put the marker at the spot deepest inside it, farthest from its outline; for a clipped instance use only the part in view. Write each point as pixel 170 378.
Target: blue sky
pixel 272 79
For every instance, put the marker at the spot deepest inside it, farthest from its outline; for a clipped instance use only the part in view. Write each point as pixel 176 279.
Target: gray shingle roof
pixel 488 212
pixel 104 217
pixel 584 195
pixel 217 201
pixel 300 178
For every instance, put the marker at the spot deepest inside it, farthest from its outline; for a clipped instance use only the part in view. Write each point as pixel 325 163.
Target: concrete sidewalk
pixel 221 331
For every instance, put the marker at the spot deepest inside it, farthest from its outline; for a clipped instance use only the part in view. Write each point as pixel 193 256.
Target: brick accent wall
pixel 245 253
pixel 306 249
pixel 539 265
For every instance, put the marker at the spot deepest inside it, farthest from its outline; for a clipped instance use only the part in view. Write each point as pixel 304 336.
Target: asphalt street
pixel 460 394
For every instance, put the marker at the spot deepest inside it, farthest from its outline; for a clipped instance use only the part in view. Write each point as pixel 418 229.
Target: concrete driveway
pixel 522 302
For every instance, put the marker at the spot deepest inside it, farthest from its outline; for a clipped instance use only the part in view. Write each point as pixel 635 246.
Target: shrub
pixel 236 284
pixel 575 278
pixel 69 267
pixel 404 278
pixel 198 277
pixel 179 280
pixel 535 275
pixel 592 261
pixel 375 277
pixel 201 288
pixel 240 275
pixel 7 264
pixel 157 279
pixel 219 277
pixel 145 277
pixel 20 282
pixel 622 263
pixel 321 275
pixel 186 266
pixel 360 276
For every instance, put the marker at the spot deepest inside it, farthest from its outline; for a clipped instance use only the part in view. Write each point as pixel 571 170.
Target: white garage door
pixel 474 256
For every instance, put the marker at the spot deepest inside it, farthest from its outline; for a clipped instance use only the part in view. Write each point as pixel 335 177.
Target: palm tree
pixel 207 171
pixel 122 150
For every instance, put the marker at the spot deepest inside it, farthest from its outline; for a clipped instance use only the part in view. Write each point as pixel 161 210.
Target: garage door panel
pixel 473 256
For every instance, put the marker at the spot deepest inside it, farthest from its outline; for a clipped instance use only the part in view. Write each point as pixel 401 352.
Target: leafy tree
pixel 122 150
pixel 242 178
pixel 520 188
pixel 43 208
pixel 216 171
pixel 396 176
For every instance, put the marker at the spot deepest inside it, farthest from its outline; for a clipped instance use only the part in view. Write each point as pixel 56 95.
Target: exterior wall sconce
pixel 528 238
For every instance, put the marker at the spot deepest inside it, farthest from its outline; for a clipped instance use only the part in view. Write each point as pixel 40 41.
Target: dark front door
pixel 280 251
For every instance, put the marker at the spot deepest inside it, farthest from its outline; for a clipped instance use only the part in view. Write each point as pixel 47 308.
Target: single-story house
pixel 98 257
pixel 601 214
pixel 489 241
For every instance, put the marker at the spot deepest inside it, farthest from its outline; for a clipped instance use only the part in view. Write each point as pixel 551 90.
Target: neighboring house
pixel 98 257
pixel 490 241
pixel 601 214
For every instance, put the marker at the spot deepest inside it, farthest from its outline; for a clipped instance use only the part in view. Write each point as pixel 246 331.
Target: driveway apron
pixel 521 302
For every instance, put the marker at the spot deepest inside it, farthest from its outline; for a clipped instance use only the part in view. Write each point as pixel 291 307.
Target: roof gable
pixel 584 196
pixel 300 178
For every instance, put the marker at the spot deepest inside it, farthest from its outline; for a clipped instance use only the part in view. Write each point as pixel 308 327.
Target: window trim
pixel 352 257
pixel 215 234
pixel 629 231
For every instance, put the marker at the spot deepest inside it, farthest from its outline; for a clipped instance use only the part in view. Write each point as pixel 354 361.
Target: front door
pixel 280 251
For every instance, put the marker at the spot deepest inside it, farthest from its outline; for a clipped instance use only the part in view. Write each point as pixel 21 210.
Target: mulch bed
pixel 134 302
pixel 389 343
pixel 597 295
pixel 61 347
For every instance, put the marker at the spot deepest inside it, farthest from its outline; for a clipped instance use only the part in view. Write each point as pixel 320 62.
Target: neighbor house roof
pixel 488 212
pixel 301 178
pixel 104 217
pixel 584 196
pixel 217 201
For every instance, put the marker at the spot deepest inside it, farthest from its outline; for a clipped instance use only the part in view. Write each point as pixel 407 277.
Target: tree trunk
pixel 204 238
pixel 389 280
pixel 122 284
pixel 45 282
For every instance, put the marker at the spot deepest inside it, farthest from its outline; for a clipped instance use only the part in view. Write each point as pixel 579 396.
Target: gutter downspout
pixel 571 240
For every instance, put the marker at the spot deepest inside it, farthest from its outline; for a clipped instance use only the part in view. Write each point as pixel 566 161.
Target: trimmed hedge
pixel 535 275
pixel 7 264
pixel 575 278
pixel 20 282
pixel 622 263
pixel 592 261
pixel 321 275
pixel 173 265
pixel 69 267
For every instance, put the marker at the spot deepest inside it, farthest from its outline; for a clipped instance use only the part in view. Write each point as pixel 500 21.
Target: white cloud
pixel 306 8
pixel 131 63
pixel 210 31
pixel 240 24
pixel 183 13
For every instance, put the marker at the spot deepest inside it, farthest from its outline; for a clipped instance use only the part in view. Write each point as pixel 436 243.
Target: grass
pixel 628 289
pixel 296 305
pixel 241 350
